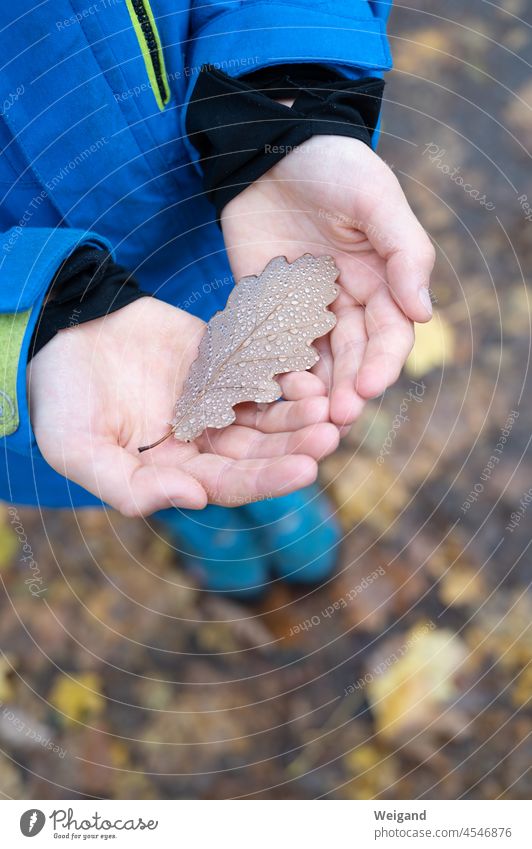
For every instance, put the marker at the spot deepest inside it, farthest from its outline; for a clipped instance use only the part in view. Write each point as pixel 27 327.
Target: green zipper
pixel 146 30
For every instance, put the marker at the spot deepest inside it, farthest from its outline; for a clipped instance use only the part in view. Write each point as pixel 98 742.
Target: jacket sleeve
pixel 29 260
pixel 237 38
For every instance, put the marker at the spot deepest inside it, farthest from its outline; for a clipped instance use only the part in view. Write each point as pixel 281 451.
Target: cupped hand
pixel 100 390
pixel 334 195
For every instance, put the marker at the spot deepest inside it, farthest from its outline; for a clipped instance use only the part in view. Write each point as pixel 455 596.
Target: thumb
pixel 396 234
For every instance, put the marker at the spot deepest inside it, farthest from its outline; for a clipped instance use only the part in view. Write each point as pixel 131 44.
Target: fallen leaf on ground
pixel 434 346
pixel 8 540
pixel 6 672
pixel 77 697
pixel 418 681
pixel 365 491
pixel 461 585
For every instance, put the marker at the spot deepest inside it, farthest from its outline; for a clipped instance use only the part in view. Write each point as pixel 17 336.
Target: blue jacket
pixel 94 151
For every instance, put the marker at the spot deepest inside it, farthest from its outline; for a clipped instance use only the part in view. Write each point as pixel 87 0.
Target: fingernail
pixel 424 297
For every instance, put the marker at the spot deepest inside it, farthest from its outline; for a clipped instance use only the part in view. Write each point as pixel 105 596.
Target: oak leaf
pixel 267 328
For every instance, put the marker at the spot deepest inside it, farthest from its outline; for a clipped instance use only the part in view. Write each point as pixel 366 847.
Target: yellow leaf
pixel 119 755
pixel 461 585
pixel 6 690
pixel 8 540
pixel 411 690
pixel 522 688
pixel 435 344
pixel 362 758
pixel 422 48
pixel 77 697
pixel 365 491
pixel 373 772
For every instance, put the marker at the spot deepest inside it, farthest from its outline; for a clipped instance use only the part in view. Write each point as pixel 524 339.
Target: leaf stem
pixel 155 444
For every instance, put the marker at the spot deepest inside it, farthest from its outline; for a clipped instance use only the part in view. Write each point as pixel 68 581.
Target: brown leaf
pixel 266 328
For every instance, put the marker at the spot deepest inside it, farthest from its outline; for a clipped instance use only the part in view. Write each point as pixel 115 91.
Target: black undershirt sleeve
pixel 88 285
pixel 241 130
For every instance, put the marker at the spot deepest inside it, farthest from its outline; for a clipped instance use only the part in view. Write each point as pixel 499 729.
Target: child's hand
pixel 99 391
pixel 333 195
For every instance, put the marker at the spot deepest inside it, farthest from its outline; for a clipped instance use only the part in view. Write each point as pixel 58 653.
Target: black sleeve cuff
pixel 241 132
pixel 88 285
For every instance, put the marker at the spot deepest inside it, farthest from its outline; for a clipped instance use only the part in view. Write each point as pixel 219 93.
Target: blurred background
pixel 409 675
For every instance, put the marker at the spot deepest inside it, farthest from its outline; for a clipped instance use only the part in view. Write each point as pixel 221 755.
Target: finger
pixel 235 482
pixel 324 367
pixel 300 384
pixel 348 344
pixel 134 488
pixel 283 415
pixel 397 235
pixel 316 440
pixel 390 340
